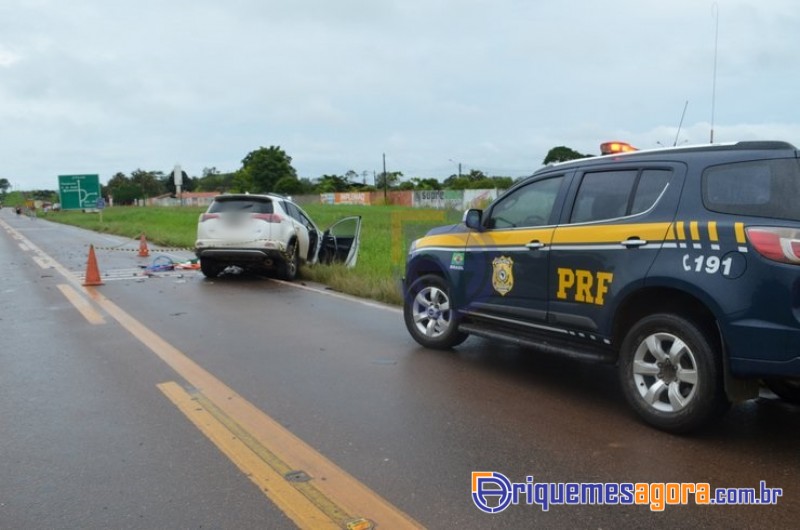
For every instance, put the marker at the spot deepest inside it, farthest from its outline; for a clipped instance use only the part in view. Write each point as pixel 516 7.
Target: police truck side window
pixel 651 184
pixel 528 206
pixel 603 195
pixel 608 194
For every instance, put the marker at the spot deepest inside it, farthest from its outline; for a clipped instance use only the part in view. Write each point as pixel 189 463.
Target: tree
pixel 427 184
pixel 289 185
pixel 122 189
pixel 44 195
pixel 308 186
pixel 264 167
pixel 388 180
pixel 149 182
pixel 562 154
pixel 406 186
pixel 214 180
pixel 351 176
pixel 4 186
pixel 503 183
pixel 467 181
pixel 242 181
pixel 332 183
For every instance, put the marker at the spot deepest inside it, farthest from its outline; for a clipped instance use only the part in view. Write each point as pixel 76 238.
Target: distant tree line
pixel 270 170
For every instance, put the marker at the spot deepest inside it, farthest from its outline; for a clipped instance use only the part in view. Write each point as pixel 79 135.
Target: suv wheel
pixel 786 389
pixel 210 268
pixel 670 373
pixel 429 314
pixel 291 265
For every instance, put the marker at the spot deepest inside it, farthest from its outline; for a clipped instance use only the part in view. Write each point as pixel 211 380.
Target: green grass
pixel 386 232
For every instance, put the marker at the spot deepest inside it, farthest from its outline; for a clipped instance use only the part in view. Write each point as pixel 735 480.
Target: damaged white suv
pixel 269 233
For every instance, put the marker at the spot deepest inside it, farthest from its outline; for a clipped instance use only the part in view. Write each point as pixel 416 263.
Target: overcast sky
pixel 102 86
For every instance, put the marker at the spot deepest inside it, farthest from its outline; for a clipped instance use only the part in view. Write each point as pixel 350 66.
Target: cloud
pixel 93 86
pixel 8 58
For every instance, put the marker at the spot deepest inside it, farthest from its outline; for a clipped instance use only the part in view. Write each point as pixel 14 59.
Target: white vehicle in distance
pixel 269 234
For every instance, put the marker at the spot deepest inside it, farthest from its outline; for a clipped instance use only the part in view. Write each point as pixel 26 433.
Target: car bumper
pixel 228 251
pixel 239 254
pixel 762 349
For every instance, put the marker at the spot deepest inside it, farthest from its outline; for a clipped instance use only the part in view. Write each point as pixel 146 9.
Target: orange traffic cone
pixel 143 250
pixel 92 272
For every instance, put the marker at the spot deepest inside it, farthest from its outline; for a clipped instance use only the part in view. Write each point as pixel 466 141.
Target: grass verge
pixel 386 232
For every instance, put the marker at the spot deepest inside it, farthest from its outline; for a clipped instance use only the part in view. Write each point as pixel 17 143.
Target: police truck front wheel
pixel 671 374
pixel 429 314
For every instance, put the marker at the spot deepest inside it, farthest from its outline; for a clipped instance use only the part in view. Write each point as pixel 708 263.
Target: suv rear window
pixel 241 205
pixel 763 188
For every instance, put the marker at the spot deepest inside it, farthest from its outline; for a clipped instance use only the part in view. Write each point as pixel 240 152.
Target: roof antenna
pixel 715 11
pixel 681 124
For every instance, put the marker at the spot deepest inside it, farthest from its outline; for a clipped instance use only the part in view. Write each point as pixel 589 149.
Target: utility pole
pixel 385 181
pixel 459 166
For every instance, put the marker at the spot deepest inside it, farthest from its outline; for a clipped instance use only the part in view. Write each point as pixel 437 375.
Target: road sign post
pixel 100 205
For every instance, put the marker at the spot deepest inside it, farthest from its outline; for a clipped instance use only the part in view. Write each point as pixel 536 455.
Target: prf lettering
pixel 584 286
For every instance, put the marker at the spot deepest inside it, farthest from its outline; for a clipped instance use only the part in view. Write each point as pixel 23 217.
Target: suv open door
pixel 340 242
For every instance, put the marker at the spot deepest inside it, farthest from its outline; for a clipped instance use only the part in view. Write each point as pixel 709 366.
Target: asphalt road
pixel 92 434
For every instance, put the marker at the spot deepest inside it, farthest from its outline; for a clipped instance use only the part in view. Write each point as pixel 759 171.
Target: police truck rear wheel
pixel 429 314
pixel 671 374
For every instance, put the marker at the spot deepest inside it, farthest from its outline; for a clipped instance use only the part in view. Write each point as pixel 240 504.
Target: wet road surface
pixel 88 440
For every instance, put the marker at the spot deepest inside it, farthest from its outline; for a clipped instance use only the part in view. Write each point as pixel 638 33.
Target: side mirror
pixel 472 218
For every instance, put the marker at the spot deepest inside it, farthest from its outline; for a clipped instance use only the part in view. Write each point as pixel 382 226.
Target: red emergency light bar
pixel 610 148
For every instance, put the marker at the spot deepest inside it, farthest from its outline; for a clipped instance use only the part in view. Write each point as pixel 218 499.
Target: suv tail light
pixel 207 216
pixel 268 217
pixel 777 244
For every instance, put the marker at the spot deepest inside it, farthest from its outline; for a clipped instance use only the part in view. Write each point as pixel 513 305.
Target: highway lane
pixel 86 440
pixel 408 423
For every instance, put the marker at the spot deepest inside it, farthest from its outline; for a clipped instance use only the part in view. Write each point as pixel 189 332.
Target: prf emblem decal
pixel 503 274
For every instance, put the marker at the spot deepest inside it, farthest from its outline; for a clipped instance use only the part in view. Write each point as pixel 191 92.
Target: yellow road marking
pixel 291 501
pixel 335 483
pixel 307 488
pixel 81 304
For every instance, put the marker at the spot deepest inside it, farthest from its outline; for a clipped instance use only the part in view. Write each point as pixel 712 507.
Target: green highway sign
pixel 79 192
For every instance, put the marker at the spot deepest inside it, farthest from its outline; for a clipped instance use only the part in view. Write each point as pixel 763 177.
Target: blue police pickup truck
pixel 680 265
